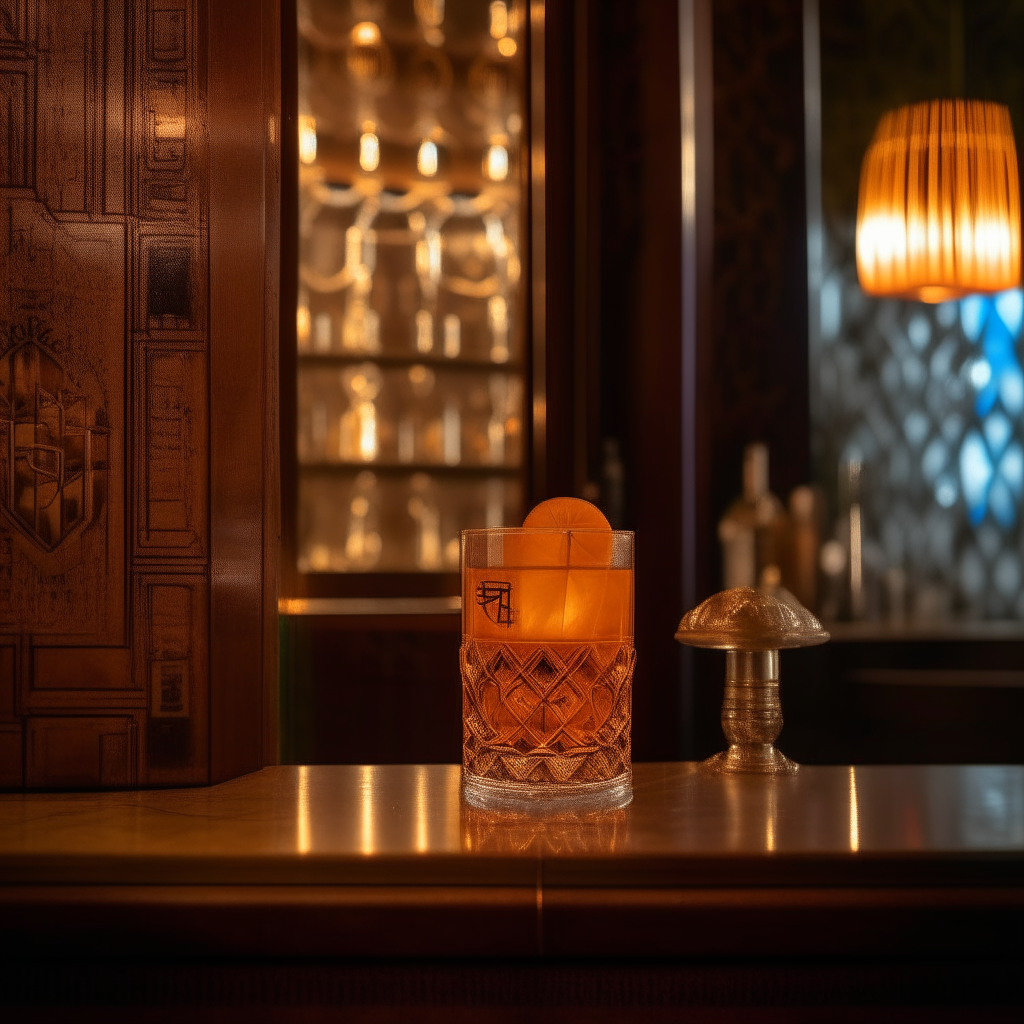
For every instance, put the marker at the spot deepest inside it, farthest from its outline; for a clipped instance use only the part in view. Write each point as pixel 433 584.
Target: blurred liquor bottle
pixel 753 530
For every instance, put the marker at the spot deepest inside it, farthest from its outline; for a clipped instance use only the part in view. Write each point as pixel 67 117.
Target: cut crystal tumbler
pixel 547 668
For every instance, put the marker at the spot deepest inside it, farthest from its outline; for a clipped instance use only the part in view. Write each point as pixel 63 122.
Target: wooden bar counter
pixel 907 868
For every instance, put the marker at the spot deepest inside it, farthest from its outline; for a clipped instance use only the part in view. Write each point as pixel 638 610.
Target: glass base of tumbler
pixel 547 798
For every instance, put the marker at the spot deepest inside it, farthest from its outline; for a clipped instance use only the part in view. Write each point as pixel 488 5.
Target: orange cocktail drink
pixel 547 660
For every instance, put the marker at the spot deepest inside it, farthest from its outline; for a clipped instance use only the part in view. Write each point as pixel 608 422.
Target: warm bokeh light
pixel 496 163
pixel 507 47
pixel 426 158
pixel 302 325
pixel 424 331
pixel 366 822
pixel 499 19
pixel 854 813
pixel 303 838
pixel 421 810
pixel 939 209
pixel 307 138
pixel 430 12
pixel 367 414
pixel 366 33
pixel 369 151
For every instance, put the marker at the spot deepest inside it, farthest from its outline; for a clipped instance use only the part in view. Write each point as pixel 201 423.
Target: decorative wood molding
pixel 106 389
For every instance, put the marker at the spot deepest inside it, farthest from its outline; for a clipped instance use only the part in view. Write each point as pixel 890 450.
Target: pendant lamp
pixel 939 210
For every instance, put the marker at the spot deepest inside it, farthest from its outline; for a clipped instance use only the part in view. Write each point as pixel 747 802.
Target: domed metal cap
pixel 744 619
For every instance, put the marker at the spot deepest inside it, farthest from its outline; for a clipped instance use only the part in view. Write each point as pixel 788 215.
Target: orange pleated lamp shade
pixel 939 210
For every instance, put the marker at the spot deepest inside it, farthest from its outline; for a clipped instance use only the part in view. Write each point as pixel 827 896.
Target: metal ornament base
pixel 547 798
pixel 752 716
pixel 751 626
pixel 764 759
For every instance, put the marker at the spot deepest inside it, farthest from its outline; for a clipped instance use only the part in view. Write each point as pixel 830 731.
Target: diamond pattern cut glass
pixel 547 666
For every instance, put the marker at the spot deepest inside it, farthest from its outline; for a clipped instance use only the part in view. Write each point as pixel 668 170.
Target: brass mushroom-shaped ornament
pixel 751 626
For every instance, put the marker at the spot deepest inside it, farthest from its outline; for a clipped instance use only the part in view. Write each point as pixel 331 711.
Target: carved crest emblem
pixel 54 442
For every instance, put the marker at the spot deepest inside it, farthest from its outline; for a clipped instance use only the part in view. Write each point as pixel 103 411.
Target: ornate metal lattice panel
pixel 930 399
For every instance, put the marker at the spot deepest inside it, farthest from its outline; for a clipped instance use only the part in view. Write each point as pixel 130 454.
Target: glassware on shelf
pixel 407 320
pixel 390 415
pixel 496 425
pixel 358 435
pixel 362 541
pixel 349 541
pixel 425 542
pixel 547 661
pixel 414 425
pixel 478 274
pixel 425 513
pixel 451 433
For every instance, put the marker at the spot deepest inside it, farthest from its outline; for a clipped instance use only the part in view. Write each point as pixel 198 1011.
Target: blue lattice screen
pixel 931 400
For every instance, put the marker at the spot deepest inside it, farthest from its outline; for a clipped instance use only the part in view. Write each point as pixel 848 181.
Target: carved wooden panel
pixel 79 751
pixel 105 392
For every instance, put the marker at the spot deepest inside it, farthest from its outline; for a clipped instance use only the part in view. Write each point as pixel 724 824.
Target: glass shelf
pixel 307 358
pixel 410 385
pixel 409 468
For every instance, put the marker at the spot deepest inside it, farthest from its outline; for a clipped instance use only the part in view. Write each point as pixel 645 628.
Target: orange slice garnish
pixel 566 514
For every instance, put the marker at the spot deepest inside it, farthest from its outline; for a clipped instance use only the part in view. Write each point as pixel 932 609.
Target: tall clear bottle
pixel 752 531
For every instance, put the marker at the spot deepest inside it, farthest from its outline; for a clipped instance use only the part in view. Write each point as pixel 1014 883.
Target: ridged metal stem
pixel 751 715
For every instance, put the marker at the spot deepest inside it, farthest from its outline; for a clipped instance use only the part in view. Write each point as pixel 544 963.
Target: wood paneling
pixel 115 398
pixel 79 751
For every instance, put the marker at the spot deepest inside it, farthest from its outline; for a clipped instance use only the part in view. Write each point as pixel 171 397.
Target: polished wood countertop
pixel 388 860
pixel 405 824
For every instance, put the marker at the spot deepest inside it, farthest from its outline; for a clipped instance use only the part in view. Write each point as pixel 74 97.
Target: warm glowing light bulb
pixel 496 163
pixel 307 138
pixel 499 19
pixel 507 47
pixel 426 159
pixel 938 215
pixel 369 151
pixel 366 33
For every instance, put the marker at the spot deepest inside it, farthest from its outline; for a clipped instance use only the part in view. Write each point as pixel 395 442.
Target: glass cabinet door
pixel 409 321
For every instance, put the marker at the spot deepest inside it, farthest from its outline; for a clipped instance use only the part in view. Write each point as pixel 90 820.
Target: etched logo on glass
pixel 496 600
